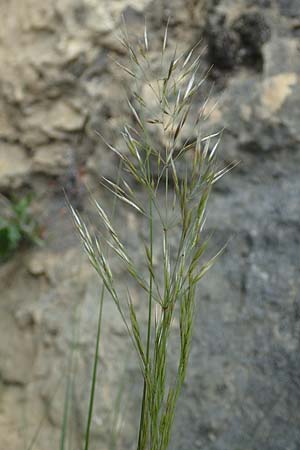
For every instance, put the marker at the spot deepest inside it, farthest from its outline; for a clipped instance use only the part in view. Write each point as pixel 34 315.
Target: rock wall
pixel 58 85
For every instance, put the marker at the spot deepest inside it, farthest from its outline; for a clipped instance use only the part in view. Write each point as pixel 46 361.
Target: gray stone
pixel 289 8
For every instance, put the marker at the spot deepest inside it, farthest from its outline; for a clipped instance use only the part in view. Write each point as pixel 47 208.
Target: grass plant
pixel 176 176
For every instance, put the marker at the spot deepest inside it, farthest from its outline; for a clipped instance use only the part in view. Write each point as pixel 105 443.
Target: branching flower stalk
pixel 177 176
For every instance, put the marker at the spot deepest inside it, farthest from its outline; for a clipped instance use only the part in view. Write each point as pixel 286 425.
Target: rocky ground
pixel 59 85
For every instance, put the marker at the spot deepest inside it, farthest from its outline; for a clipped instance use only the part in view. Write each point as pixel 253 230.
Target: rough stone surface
pixel 58 85
pixel 52 159
pixel 289 8
pixel 14 166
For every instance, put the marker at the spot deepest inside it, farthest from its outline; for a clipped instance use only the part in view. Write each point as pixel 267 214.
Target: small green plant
pixel 176 175
pixel 17 224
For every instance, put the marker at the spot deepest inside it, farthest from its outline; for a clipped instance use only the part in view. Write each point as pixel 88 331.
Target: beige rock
pixel 16 351
pixel 246 112
pixel 28 317
pixel 50 120
pixel 63 116
pixel 34 137
pixel 93 15
pixel 117 6
pixel 7 131
pixel 14 166
pixel 72 47
pixel 275 90
pixel 10 415
pixel 52 159
pixel 36 264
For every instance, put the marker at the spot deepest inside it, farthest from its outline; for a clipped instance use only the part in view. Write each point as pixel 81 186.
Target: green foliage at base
pixel 17 224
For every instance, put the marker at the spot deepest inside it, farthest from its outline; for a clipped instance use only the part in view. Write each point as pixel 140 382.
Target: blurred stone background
pixel 58 84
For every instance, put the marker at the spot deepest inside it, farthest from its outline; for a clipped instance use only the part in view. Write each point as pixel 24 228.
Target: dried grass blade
pixel 146 38
pixel 165 37
pixel 135 115
pixel 189 86
pixel 222 172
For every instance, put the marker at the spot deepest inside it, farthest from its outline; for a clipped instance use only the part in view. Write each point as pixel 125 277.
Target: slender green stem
pixel 94 378
pixel 142 431
pixel 74 368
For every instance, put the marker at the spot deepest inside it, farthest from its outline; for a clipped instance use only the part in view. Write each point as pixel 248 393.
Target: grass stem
pixel 94 376
pixel 142 439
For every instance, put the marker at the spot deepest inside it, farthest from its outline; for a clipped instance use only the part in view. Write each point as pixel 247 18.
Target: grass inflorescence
pixel 177 175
